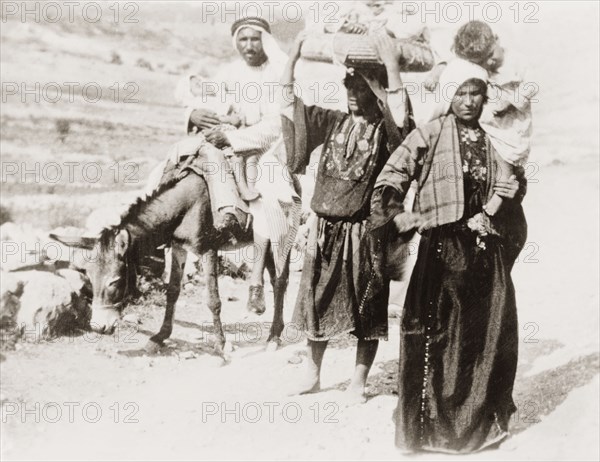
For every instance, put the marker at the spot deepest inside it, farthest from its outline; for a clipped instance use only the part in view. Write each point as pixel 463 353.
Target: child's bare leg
pixel 251 171
pixel 238 165
pixel 247 192
pixel 433 78
pixel 505 171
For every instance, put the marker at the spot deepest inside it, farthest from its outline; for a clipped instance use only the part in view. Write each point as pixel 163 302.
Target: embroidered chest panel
pixel 350 152
pixel 473 148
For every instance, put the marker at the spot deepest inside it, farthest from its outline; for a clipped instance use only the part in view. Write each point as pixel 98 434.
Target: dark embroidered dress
pixel 459 339
pixel 340 292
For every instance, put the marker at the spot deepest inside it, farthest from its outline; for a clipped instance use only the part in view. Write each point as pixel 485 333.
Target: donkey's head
pixel 109 268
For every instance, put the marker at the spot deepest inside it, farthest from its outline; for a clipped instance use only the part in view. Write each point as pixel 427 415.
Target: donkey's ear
pixel 122 241
pixel 82 242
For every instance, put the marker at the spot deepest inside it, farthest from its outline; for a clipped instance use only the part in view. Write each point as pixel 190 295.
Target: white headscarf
pixel 457 72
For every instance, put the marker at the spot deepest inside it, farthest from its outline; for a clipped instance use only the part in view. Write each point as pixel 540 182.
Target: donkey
pixel 177 213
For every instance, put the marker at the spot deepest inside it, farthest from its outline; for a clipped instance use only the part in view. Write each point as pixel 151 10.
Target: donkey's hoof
pixel 273 345
pixel 152 346
pixel 218 349
pixel 228 347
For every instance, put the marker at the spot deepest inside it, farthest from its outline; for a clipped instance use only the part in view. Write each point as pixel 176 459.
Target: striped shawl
pixel 431 156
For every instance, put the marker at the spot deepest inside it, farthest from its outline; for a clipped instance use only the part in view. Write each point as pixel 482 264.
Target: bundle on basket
pixel 353 50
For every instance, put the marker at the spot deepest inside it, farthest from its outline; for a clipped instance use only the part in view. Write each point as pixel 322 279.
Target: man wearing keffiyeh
pixel 259 66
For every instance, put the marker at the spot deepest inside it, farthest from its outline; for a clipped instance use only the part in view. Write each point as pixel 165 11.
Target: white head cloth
pixel 457 72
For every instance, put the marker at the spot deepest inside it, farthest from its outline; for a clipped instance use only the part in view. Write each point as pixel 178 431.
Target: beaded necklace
pixel 359 134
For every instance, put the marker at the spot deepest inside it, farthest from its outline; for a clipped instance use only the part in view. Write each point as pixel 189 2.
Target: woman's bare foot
pixel 311 383
pixel 307 386
pixel 365 354
pixel 355 395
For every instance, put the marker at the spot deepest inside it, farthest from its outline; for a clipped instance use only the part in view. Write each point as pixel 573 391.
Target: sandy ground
pixel 185 404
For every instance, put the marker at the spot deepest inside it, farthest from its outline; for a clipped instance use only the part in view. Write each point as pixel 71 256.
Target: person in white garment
pixel 248 86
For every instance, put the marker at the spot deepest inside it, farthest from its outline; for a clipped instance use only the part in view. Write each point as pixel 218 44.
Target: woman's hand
pixel 218 139
pixel 297 46
pixel 204 118
pixel 507 189
pixel 354 28
pixel 387 50
pixel 481 224
pixel 408 221
pixel 287 77
pixel 390 55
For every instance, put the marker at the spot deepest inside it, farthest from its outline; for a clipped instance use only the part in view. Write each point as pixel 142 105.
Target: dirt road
pixel 101 398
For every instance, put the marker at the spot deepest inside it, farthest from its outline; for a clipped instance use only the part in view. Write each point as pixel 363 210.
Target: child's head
pixel 476 42
pixel 188 88
pixel 201 87
pixel 195 85
pixel 377 6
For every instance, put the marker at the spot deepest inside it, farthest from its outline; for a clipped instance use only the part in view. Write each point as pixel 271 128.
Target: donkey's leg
pixel 279 287
pixel 178 256
pixel 270 266
pixel 214 300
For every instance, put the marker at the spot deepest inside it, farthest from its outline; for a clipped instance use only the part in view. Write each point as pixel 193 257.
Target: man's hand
pixel 218 139
pixel 204 118
pixel 232 119
pixel 507 189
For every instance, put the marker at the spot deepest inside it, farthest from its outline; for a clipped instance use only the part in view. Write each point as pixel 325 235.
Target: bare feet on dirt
pixel 308 385
pixel 354 395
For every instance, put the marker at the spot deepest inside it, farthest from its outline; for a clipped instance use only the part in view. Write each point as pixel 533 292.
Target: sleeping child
pixel 506 117
pixel 192 94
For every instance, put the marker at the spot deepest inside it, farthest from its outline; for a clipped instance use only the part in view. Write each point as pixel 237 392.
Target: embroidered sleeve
pixel 308 129
pixel 393 183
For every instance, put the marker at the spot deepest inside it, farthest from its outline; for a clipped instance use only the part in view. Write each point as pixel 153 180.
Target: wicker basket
pixel 354 50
